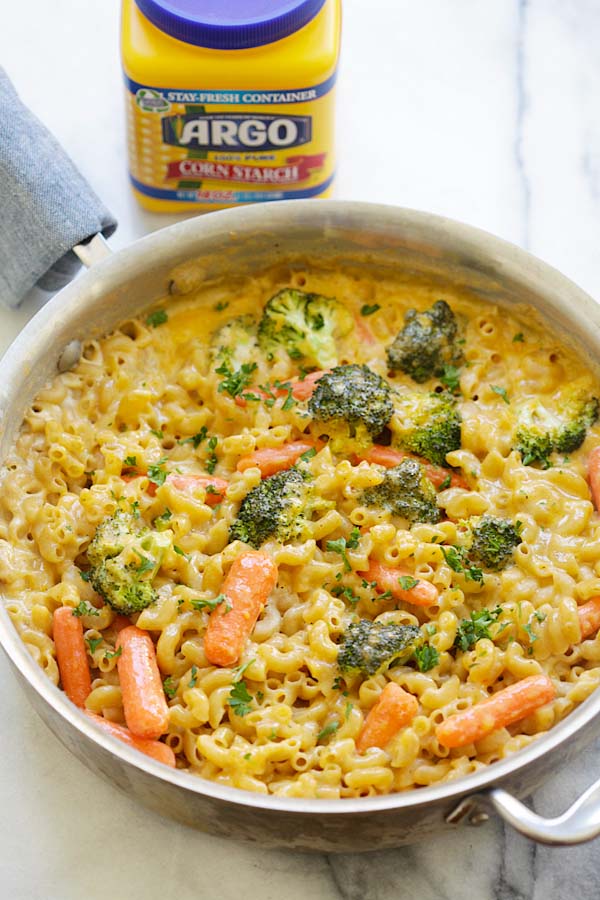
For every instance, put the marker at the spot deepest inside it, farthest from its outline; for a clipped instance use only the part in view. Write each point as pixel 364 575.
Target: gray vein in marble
pixel 522 110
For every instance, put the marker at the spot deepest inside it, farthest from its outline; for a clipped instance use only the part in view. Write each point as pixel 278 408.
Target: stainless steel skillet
pixel 380 239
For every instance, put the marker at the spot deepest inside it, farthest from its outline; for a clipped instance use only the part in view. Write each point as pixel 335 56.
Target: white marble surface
pixel 486 112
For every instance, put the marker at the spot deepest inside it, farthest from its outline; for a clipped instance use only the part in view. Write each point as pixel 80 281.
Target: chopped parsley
pixel 349 708
pixel 161 522
pixel 85 609
pixel 180 552
pixel 169 687
pixel 130 462
pixel 235 381
pixel 340 590
pixel 451 378
pixel 407 582
pixel 341 545
pixel 157 432
pixel 426 657
pixel 93 644
pixel 208 604
pixel 368 309
pixel 518 338
pixel 196 439
pixel 146 564
pixel 445 484
pixel 501 392
pixel 329 729
pixel 211 459
pixel 476 627
pixel 158 317
pixel 85 576
pixel 457 559
pixel 239 698
pixel 194 676
pixel 221 305
pixel 113 654
pixel 308 454
pixel 157 473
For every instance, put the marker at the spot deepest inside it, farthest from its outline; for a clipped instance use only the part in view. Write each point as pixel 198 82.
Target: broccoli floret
pixel 235 343
pixel 542 431
pixel 306 326
pixel 124 558
pixel 368 648
pixel 278 507
pixel 493 541
pixel 427 424
pixel 353 403
pixel 405 491
pixel 427 343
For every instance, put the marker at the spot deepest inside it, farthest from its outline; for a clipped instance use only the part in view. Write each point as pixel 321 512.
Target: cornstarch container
pixel 229 102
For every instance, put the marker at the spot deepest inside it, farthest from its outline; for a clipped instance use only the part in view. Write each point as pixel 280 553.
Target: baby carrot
pixel 155 749
pixel 215 488
pixel 389 578
pixel 250 580
pixel 144 703
pixel 388 457
pixel 589 617
pixel 302 389
pixel 501 709
pixel 120 622
pixel 394 709
pixel 274 459
pixel 71 655
pixel 594 476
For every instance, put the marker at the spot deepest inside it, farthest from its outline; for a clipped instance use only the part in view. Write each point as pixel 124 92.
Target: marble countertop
pixel 485 112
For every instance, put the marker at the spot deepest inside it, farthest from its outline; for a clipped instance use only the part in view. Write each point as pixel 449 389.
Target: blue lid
pixel 229 24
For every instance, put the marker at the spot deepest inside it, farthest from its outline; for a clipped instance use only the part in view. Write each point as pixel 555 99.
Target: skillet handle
pixel 579 823
pixel 92 251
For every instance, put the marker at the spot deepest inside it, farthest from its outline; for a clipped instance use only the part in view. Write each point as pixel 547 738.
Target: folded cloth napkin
pixel 46 206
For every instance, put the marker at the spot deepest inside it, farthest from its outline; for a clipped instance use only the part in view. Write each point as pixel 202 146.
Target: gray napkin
pixel 46 206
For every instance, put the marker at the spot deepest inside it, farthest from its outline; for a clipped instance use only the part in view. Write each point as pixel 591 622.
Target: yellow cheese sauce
pixel 145 407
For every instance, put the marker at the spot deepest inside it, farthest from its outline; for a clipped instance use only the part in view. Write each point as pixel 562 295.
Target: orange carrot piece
pixel 120 622
pixel 388 457
pixel 303 388
pixel 214 496
pixel 144 703
pixel 594 476
pixel 274 459
pixel 156 749
pixel 395 709
pixel 589 617
pixel 387 578
pixel 247 586
pixel 501 709
pixel 71 655
pixel 365 334
pixel 241 401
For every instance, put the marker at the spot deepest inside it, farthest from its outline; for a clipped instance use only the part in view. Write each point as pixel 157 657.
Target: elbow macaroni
pixel 149 392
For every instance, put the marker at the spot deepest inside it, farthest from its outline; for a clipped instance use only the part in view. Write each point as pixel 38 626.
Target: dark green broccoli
pixel 235 343
pixel 124 557
pixel 542 431
pixel 427 343
pixel 493 541
pixel 354 404
pixel 405 491
pixel 427 424
pixel 278 507
pixel 306 326
pixel 368 648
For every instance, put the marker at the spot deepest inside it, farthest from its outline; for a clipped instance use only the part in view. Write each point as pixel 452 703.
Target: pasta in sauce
pixel 144 409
